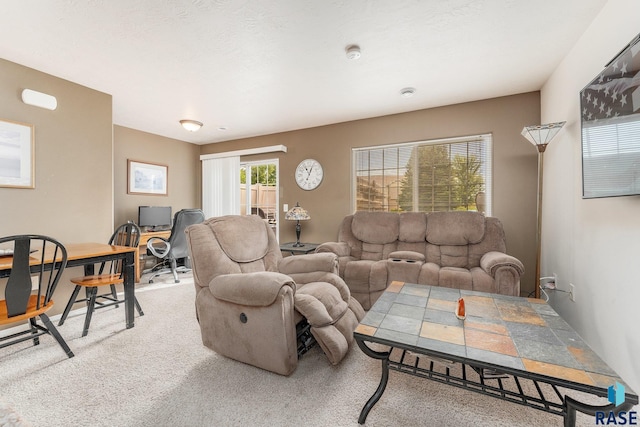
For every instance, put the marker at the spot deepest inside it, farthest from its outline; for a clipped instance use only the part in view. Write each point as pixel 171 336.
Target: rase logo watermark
pixel 616 396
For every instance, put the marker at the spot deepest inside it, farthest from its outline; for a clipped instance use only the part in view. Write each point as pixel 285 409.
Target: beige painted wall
pixel 592 243
pixel 181 157
pixel 514 159
pixel 73 198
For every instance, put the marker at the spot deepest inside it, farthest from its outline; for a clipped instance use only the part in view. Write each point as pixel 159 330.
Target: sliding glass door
pixel 259 190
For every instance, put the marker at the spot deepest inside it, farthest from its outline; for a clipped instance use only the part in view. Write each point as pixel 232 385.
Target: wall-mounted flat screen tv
pixel 154 217
pixel 610 110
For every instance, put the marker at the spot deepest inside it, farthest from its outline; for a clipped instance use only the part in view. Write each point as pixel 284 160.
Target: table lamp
pixel 297 213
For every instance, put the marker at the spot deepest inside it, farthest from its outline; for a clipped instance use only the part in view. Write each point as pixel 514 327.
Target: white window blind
pixel 425 176
pixel 221 186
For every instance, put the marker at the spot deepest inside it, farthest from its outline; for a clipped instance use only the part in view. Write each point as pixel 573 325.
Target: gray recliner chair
pixel 254 306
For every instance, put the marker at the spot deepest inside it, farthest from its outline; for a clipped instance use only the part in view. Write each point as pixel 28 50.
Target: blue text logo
pixel 616 396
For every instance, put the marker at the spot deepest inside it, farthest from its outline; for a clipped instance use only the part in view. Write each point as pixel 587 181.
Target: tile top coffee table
pixel 506 347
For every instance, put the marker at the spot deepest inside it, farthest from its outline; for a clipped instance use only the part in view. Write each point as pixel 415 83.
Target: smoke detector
pixel 407 92
pixel 353 52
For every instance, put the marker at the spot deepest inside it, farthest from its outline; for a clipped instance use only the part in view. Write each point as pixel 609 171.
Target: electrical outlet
pixel 572 292
pixel 285 208
pixel 34 283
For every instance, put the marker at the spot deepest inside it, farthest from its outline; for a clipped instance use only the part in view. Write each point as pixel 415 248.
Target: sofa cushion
pixel 455 228
pixel 412 227
pixel 375 227
pixel 452 277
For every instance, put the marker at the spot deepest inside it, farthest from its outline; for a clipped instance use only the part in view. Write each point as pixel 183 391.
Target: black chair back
pixel 178 239
pixel 33 259
pixel 125 235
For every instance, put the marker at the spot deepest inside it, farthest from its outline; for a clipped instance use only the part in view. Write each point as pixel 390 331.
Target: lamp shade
pixel 297 213
pixel 541 135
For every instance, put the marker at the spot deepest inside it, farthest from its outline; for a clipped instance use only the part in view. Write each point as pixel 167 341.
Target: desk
pixel 88 254
pixel 142 248
pixel 307 248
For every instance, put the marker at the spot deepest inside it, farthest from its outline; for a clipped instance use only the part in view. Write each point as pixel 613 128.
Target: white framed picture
pixel 17 155
pixel 147 178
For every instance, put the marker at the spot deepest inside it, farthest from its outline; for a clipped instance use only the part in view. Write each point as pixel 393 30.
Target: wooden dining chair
pixel 110 273
pixel 34 264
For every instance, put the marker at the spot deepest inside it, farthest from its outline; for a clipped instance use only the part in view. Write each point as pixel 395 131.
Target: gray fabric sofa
pixel 464 250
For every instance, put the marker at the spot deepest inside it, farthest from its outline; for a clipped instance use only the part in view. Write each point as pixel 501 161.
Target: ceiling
pixel 256 68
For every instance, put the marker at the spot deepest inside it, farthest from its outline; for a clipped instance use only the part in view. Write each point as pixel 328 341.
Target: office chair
pixel 28 262
pixel 109 274
pixel 175 247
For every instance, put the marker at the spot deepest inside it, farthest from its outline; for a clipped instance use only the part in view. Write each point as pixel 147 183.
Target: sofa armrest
pixel 407 256
pixel 339 248
pixel 492 261
pixel 326 262
pixel 258 289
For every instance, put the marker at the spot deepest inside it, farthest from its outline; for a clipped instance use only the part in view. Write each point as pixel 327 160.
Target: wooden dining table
pixel 89 254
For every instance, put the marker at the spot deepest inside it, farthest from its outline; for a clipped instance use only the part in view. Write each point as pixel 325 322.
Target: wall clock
pixel 309 174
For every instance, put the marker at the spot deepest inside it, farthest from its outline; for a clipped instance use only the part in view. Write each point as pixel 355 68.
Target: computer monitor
pixel 154 217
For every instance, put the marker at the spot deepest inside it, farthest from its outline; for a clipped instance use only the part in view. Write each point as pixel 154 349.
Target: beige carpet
pixel 159 374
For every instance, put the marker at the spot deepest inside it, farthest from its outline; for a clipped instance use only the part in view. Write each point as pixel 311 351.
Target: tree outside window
pixel 423 177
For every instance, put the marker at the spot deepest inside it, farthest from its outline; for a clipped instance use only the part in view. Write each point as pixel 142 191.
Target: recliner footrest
pixel 331 318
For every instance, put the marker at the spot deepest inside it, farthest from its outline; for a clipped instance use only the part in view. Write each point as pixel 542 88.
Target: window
pixel 444 175
pixel 259 193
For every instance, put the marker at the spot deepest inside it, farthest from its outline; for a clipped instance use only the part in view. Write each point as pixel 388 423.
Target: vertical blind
pixel 221 186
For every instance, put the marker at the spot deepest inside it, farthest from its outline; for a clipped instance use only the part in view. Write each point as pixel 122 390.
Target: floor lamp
pixel 540 136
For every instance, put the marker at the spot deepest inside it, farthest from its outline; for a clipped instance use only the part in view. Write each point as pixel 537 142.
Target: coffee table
pixel 512 348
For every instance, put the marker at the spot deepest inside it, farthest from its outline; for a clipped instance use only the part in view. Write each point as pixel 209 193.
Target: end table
pixel 306 248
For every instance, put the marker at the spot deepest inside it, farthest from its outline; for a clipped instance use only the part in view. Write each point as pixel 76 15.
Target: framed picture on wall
pixel 17 154
pixel 147 178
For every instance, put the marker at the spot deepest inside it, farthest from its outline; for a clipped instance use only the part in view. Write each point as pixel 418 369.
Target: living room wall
pixel 514 164
pixel 592 243
pixel 73 196
pixel 72 199
pixel 181 157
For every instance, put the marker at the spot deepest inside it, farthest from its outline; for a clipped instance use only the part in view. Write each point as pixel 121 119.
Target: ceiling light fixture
pixel 191 125
pixel 407 92
pixel 353 52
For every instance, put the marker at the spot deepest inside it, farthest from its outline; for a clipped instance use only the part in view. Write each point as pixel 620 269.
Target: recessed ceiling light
pixel 407 92
pixel 353 52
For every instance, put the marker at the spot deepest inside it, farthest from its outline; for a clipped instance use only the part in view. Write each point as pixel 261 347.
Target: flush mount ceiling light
pixel 353 52
pixel 191 125
pixel 407 92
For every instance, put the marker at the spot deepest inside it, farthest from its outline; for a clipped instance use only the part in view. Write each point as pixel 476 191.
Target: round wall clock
pixel 309 174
